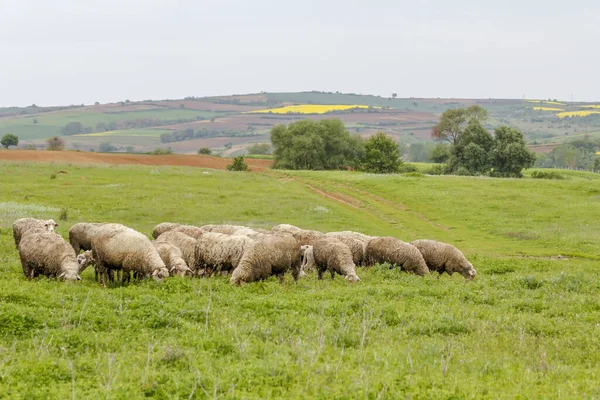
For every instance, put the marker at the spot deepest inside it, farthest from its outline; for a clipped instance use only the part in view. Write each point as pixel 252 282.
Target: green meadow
pixel 527 327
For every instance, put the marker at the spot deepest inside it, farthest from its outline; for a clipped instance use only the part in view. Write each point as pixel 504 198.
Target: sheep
pixel 127 250
pixel 188 246
pixel 221 252
pixel 355 235
pixel 273 255
pixel 80 235
pixel 172 257
pixel 443 257
pixel 285 228
pixel 162 228
pixel 84 260
pixel 396 252
pixel 332 255
pixel 47 253
pixel 225 229
pixel 304 236
pixel 356 246
pixel 192 231
pixel 22 225
pixel 308 259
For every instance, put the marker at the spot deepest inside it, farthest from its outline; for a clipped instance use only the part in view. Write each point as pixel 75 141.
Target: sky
pixel 63 52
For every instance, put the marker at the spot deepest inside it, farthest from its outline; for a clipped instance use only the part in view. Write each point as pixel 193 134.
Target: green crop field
pixel 527 327
pixel 51 123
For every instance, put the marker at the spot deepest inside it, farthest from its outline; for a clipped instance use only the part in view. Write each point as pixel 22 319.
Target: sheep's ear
pixel 78 278
pixel 61 275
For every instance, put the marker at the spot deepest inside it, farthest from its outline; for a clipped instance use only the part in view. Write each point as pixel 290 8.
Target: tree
pixel 453 122
pixel 238 164
pixel 510 153
pixel 316 145
pixel 472 150
pixel 106 147
pixel 9 140
pixel 260 148
pixel 382 155
pixel 205 151
pixel 72 128
pixel 440 153
pixel 228 145
pixel 394 95
pixel 55 143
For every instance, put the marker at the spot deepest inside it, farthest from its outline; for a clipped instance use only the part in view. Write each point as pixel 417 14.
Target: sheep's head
pixel 50 225
pixel 352 278
pixel 69 276
pixel 160 274
pixel 180 268
pixel 84 260
pixel 462 266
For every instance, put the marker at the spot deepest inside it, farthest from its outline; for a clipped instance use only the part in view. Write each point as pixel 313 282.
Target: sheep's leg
pixel 332 272
pixel 281 277
pixel 320 274
pixel 32 273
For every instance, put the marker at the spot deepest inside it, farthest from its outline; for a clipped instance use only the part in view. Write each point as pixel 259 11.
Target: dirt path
pixel 127 159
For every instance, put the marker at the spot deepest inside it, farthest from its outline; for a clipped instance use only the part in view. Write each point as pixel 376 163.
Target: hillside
pixel 228 124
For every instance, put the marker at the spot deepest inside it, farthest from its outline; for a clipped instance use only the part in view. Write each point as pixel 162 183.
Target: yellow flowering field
pixel 548 109
pixel 308 109
pixel 592 106
pixel 557 103
pixel 576 114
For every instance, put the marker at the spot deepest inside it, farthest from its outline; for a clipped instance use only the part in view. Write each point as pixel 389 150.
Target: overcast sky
pixel 80 51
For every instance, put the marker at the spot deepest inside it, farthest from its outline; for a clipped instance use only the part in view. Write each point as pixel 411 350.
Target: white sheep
pixel 162 228
pixel 273 255
pixel 21 226
pixel 332 255
pixel 221 252
pixel 443 257
pixel 47 253
pixel 396 252
pixel 172 257
pixel 187 244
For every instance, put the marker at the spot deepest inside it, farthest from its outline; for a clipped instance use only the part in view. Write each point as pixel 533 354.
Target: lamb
pixel 162 228
pixel 188 246
pixel 271 256
pixel 334 256
pixel 356 246
pixel 443 257
pixel 22 225
pixel 396 252
pixel 172 257
pixel 126 249
pixel 225 229
pixel 217 251
pixel 47 253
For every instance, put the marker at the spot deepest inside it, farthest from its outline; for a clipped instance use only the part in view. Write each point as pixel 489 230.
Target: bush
pixel 9 140
pixel 260 148
pixel 462 171
pixel 405 168
pixel 382 155
pixel 238 164
pixel 546 175
pixel 106 147
pixel 55 143
pixel 205 150
pixel 64 214
pixel 435 170
pixel 161 151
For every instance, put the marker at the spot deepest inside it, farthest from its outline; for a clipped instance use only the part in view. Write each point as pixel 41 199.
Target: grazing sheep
pixel 127 250
pixel 225 229
pixel 304 236
pixel 271 256
pixel 162 228
pixel 396 252
pixel 172 257
pixel 192 231
pixel 443 257
pixel 221 252
pixel 308 259
pixel 84 260
pixel 47 253
pixel 80 235
pixel 188 246
pixel 356 246
pixel 286 228
pixel 22 225
pixel 334 256
pixel 355 235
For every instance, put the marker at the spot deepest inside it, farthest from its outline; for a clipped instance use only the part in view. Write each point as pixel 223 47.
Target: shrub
pixel 462 171
pixel 64 214
pixel 435 170
pixel 106 147
pixel 546 175
pixel 260 148
pixel 405 168
pixel 238 164
pixel 161 151
pixel 205 150
pixel 55 143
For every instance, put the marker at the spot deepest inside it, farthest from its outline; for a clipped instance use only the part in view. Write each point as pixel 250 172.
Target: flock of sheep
pixel 248 254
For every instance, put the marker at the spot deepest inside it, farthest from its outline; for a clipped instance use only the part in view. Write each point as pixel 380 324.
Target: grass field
pixel 50 124
pixel 527 327
pixel 125 132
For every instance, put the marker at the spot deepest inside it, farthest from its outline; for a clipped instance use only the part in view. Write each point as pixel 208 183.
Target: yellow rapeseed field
pixel 309 109
pixel 592 106
pixel 548 109
pixel 576 114
pixel 546 102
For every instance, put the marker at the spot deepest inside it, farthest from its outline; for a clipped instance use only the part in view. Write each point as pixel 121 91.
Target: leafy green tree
pixel 453 122
pixel 72 128
pixel 205 151
pixel 106 147
pixel 315 145
pixel 55 143
pixel 238 164
pixel 510 153
pixel 382 155
pixel 472 150
pixel 9 140
pixel 440 153
pixel 260 148
pixel 228 145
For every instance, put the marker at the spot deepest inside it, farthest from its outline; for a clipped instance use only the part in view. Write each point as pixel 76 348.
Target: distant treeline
pixel 576 154
pixel 76 127
pixel 189 134
pixel 32 109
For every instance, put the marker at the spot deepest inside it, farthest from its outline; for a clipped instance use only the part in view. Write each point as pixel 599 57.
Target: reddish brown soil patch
pixel 127 159
pixel 542 148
